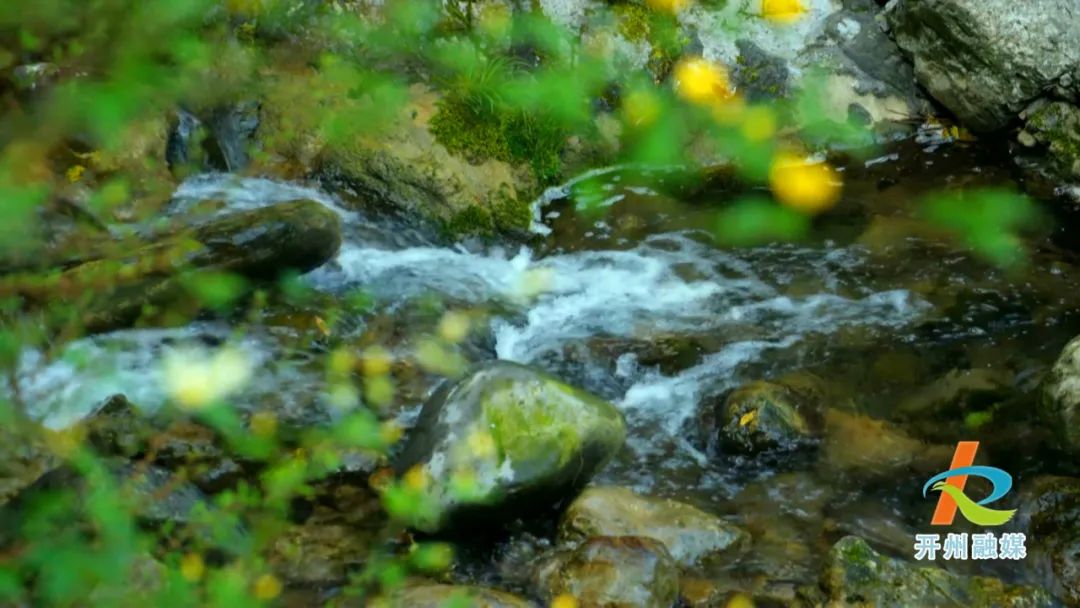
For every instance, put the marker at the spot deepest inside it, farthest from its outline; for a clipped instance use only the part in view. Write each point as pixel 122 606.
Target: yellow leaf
pixel 75 173
pixel 192 567
pixel 564 601
pixel 321 325
pixel 701 81
pixel 748 417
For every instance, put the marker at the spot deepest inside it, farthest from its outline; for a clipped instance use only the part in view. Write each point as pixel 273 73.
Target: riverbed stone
pixel 1049 510
pixel 857 575
pixel 612 571
pixel 986 60
pixel 1059 404
pixel 765 416
pixel 690 535
pixel 523 439
pixel 867 448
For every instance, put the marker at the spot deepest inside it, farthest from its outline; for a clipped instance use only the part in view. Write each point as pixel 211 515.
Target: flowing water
pixel 868 302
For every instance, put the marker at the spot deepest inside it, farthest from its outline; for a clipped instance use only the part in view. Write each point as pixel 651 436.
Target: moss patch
pixel 512 136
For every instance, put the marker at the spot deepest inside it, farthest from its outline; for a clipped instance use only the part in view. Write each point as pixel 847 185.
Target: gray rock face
pixel 524 439
pixel 1048 149
pixel 985 60
pixel 1059 406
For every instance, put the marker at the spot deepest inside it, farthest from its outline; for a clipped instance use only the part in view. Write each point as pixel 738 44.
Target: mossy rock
pixel 438 596
pixel 525 439
pixel 856 575
pixel 1059 403
pixel 765 416
pixel 114 292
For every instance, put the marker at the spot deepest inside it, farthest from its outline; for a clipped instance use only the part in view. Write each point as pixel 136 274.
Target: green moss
pixel 471 220
pixel 480 133
pixel 666 40
pixel 633 21
pixel 511 213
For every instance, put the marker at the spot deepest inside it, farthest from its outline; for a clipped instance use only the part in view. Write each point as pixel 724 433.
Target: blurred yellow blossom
pixel 267 587
pixel 669 6
pixel 416 478
pixel 564 601
pixel 390 431
pixel 192 567
pixel 376 361
pixel 340 362
pixel 740 600
pixel 783 11
pixel 75 173
pixel 701 81
pixel 808 187
pixel 195 378
pixel 534 282
pixel 379 390
pixel 454 327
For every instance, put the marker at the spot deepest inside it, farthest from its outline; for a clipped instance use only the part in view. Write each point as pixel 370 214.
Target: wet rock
pixel 985 60
pixel 957 392
pixel 690 535
pixel 320 553
pixel 259 244
pixel 668 353
pixel 767 416
pixel 856 575
pixel 32 78
pixel 1059 404
pixel 864 447
pixel 615 572
pixel 219 140
pixel 438 596
pixel 1049 148
pixel 526 439
pixel 1050 511
pixel 404 168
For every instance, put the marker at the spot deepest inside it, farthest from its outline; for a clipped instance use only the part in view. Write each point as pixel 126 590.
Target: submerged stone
pixel 867 448
pixel 518 439
pixel 763 416
pixel 615 572
pixel 856 575
pixel 690 535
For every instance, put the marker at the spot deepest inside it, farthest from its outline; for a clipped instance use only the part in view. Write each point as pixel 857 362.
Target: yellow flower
pixel 453 327
pixel 701 81
pixel 669 6
pixel 195 378
pixel 783 11
pixel 564 601
pixel 390 431
pixel 376 361
pixel 804 186
pixel 267 587
pixel 416 478
pixel 192 567
pixel 740 600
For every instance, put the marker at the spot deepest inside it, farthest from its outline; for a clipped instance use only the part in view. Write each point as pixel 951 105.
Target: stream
pixel 637 304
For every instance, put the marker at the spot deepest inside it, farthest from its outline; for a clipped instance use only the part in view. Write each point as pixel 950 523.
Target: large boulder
pixel 856 575
pixel 521 438
pixel 690 535
pixel 986 60
pixel 1059 404
pixel 864 448
pixel 616 572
